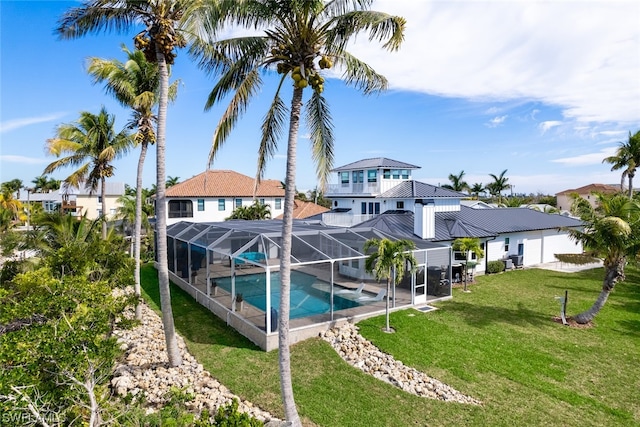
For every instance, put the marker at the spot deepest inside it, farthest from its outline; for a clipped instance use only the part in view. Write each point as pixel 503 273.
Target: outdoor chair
pixel 351 291
pixel 377 298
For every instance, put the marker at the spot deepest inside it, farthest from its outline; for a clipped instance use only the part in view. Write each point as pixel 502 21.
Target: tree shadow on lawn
pixel 483 315
pixel 193 321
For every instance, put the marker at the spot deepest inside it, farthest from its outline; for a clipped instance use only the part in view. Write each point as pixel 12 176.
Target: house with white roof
pixel 391 201
pixel 213 195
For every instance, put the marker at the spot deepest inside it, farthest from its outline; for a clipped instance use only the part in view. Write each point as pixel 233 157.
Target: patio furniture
pixel 351 291
pixel 377 298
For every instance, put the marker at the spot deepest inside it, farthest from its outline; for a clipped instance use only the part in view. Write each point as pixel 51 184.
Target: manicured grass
pixel 497 343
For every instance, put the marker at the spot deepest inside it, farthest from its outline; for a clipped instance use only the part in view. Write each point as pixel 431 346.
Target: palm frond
pixel 272 128
pixel 320 125
pixel 361 75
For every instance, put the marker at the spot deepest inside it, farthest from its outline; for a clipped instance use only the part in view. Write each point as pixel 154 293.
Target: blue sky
pixel 543 89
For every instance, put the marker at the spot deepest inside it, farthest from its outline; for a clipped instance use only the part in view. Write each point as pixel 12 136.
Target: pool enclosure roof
pixel 311 242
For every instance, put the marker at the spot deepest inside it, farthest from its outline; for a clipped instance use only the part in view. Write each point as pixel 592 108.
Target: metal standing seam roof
pixel 375 163
pixel 419 190
pixel 469 222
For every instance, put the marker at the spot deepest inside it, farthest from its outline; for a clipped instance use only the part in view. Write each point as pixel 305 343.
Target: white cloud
pixel 9 125
pixel 575 55
pixel 23 160
pixel 545 126
pixel 586 159
pixel 496 121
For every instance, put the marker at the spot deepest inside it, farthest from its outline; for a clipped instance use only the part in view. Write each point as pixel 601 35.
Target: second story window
pixel 238 203
pixel 180 209
pixel 200 205
pixel 386 173
pixel 404 173
pixel 395 174
pixel 278 203
pixel 400 204
pixel 344 178
pixel 372 175
pixel 358 177
pixel 221 206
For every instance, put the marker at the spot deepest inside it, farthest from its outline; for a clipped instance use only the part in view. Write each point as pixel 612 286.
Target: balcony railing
pixel 344 219
pixel 367 188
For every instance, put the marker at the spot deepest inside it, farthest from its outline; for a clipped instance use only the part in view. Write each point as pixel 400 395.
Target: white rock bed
pixel 145 371
pixel 362 354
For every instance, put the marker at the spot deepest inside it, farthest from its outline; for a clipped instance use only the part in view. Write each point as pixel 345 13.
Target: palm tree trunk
pixel 630 190
pixel 138 229
pixel 290 410
pixel 613 274
pixel 173 352
pixel 103 189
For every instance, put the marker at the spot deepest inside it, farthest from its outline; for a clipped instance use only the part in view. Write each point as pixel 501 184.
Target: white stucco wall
pixel 212 214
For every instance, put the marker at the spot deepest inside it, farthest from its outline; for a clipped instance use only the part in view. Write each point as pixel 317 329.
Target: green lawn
pixel 497 343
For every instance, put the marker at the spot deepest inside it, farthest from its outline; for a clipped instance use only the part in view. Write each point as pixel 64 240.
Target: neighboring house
pixel 565 199
pixel 404 207
pixel 304 210
pixel 78 202
pixel 214 194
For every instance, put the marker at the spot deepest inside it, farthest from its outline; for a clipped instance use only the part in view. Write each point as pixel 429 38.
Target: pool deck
pixel 251 321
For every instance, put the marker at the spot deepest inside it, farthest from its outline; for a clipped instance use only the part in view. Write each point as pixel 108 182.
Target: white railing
pixel 369 188
pixel 344 219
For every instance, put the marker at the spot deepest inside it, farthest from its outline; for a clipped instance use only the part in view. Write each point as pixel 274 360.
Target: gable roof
pixel 375 163
pixel 419 190
pixel 588 189
pixel 224 183
pixel 302 209
pixel 469 222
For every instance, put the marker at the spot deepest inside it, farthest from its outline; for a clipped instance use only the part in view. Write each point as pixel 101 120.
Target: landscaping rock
pixel 362 354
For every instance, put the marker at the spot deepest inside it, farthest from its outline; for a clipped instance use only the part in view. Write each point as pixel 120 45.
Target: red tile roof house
pixel 214 194
pixel 303 210
pixel 564 199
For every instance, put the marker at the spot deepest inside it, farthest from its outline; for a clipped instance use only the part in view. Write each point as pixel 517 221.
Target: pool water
pixel 305 299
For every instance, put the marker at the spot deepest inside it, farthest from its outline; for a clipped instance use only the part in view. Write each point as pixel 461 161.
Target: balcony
pixel 362 189
pixel 344 219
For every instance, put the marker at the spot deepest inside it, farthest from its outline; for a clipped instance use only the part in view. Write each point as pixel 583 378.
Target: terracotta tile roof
pixel 224 183
pixel 302 210
pixel 588 189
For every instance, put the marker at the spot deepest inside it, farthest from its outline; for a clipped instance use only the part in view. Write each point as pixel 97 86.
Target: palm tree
pixel 256 211
pixel 476 189
pixel 92 144
pixel 303 38
pixel 134 84
pixel 612 230
pixel 40 183
pixel 499 184
pixel 457 183
pixel 627 157
pixel 466 245
pixel 172 180
pixel 165 22
pixel 390 259
pixel 13 186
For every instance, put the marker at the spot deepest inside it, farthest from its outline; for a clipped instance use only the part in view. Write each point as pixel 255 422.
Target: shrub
pixel 495 267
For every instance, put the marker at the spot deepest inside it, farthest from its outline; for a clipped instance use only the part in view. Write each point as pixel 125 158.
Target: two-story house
pixel 393 202
pixel 213 195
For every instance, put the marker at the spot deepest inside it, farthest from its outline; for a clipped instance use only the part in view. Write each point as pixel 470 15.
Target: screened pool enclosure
pixel 232 268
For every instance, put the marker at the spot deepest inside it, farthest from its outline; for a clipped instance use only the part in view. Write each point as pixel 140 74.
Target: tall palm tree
pixel 499 184
pixel 612 230
pixel 391 259
pixel 135 84
pixel 301 40
pixel 92 144
pixel 165 23
pixel 40 183
pixel 457 182
pixel 627 158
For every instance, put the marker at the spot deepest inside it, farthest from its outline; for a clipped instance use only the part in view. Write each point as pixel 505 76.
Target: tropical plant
pixel 255 211
pixel 302 39
pixel 612 231
pixel 12 205
pixel 476 189
pixel 135 84
pixel 457 182
pixel 172 180
pixel 391 259
pixel 495 266
pixel 627 157
pixel 92 144
pixel 13 186
pixel 165 24
pixel 466 245
pixel 499 184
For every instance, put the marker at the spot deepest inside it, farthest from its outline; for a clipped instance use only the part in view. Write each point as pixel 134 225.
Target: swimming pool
pixel 306 300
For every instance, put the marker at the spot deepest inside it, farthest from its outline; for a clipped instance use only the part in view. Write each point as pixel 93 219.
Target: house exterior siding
pixel 212 213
